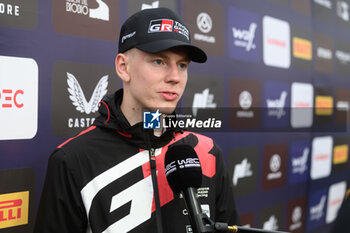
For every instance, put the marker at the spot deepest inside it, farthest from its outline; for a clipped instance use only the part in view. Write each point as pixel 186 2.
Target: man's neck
pixel 134 116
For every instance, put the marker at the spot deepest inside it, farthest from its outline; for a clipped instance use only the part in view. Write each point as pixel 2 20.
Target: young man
pixel 111 177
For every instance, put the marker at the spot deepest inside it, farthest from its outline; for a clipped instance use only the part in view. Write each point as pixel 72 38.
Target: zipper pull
pixel 152 151
pixel 152 158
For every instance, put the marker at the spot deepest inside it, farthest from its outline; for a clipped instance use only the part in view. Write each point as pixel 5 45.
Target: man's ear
pixel 121 67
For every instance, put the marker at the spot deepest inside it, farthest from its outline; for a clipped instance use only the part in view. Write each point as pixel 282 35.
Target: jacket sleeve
pixel 225 203
pixel 60 209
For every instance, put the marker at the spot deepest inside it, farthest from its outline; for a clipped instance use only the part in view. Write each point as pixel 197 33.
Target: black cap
pixel 156 30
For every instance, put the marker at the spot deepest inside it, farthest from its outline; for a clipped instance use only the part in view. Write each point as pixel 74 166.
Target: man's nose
pixel 173 74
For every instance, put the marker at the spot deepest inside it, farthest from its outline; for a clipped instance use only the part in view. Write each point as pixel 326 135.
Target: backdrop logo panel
pixel 340 153
pixel 77 91
pixel 342 58
pixel 321 160
pixel 323 106
pixel 94 18
pixel 302 95
pixel 301 6
pixel 17 13
pixel 342 12
pixel 206 24
pixel 14 209
pixel 243 169
pixel 271 218
pixel 18 98
pixel 299 162
pixel 17 200
pixel 274 169
pixel 342 102
pixel 203 97
pixel 276 42
pixel 276 104
pixel 296 215
pixel 336 194
pixel 302 49
pixel 244 35
pixel 323 53
pixel 317 208
pixel 245 103
pixel 323 9
pixel 137 5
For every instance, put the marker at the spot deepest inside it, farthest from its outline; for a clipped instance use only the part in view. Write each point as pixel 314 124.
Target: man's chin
pixel 167 111
pixel 163 110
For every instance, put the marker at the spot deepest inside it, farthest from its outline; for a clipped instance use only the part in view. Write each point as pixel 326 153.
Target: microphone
pixel 184 174
pixel 182 168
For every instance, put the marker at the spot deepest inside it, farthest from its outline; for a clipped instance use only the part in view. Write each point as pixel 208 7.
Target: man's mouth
pixel 169 95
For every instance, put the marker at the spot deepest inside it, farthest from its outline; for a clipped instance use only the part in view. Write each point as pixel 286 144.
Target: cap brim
pixel 194 53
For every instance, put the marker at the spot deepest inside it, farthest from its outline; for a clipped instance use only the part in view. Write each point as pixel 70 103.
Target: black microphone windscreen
pixel 182 168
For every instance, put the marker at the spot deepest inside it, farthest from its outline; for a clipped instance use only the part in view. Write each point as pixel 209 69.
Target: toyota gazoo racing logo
pixel 161 25
pixel 168 25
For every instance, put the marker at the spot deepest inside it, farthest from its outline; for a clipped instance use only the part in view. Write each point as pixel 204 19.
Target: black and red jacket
pixel 100 181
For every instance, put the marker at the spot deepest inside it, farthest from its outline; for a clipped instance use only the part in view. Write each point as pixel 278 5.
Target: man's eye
pixel 158 61
pixel 183 65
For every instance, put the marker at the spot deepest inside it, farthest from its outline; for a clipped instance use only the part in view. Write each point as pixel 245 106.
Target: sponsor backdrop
pixel 281 67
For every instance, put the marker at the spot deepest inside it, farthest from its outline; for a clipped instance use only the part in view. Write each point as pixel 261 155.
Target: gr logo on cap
pixel 161 25
pixel 156 30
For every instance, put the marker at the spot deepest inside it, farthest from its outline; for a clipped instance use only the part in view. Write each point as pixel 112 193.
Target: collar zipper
pixel 155 189
pixel 152 152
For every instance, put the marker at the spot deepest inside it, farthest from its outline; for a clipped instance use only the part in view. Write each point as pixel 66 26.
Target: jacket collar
pixel 112 118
